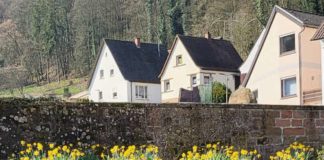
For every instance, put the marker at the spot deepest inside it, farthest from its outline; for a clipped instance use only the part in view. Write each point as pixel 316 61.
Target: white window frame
pixel 283 91
pixel 141 89
pixel 166 89
pixel 114 95
pixel 112 72
pixel 178 63
pixel 100 95
pixel 280 44
pixel 209 79
pixel 192 80
pixel 102 74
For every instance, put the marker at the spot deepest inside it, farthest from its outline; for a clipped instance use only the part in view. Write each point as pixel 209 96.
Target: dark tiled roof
pixel 309 19
pixel 319 33
pixel 212 54
pixel 138 64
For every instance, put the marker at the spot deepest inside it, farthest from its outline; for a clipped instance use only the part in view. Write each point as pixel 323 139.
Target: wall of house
pixel 153 92
pixel 311 63
pixel 174 128
pixel 108 84
pixel 179 76
pixel 271 67
pixel 322 66
pixel 226 78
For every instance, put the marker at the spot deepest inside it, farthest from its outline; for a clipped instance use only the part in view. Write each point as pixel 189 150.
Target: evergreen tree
pixel 149 14
pixel 162 30
pixel 175 15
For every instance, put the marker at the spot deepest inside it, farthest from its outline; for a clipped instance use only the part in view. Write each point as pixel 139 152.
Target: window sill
pixel 168 91
pixel 179 65
pixel 287 53
pixel 142 99
pixel 288 97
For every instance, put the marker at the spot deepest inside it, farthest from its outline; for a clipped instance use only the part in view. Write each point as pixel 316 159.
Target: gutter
pixel 300 66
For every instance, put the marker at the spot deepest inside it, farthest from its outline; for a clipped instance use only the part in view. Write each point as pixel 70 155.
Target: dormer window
pixel 287 44
pixel 179 60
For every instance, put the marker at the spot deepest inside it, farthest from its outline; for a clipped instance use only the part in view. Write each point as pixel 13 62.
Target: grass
pixel 78 85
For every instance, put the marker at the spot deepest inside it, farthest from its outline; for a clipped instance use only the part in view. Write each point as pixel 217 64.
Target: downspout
pixel 131 90
pixel 300 67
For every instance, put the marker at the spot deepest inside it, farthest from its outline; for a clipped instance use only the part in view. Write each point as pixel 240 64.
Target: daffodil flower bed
pixel 50 151
pixel 295 151
pixel 217 152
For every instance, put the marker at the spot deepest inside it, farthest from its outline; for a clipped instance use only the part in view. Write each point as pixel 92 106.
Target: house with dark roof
pixel 195 61
pixel 319 36
pixel 286 68
pixel 127 72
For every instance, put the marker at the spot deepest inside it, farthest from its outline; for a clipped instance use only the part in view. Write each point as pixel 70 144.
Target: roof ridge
pixel 301 11
pixel 128 41
pixel 212 38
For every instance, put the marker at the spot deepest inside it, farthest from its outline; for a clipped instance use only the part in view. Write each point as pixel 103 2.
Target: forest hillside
pixel 50 40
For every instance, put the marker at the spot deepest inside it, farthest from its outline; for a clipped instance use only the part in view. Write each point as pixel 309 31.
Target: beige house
pixel 287 65
pixel 319 35
pixel 195 61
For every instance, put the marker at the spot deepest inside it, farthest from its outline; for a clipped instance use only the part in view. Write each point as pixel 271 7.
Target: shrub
pixel 219 92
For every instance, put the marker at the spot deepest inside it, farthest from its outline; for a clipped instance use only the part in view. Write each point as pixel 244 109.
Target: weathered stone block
pixel 294 131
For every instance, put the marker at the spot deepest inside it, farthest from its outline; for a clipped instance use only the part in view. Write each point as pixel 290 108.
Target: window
pixel 179 60
pixel 111 73
pixel 114 95
pixel 102 74
pixel 288 87
pixel 206 79
pixel 167 85
pixel 255 94
pixel 287 43
pixel 100 95
pixel 193 80
pixel 141 92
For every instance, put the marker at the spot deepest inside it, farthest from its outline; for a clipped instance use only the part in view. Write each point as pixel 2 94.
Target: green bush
pixel 219 93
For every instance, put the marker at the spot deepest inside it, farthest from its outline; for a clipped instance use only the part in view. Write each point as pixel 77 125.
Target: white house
pixel 127 72
pixel 195 61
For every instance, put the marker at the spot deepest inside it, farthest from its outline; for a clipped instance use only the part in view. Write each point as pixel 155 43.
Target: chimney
pixel 137 42
pixel 207 35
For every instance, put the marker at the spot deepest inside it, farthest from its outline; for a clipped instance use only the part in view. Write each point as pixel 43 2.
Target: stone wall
pixel 172 127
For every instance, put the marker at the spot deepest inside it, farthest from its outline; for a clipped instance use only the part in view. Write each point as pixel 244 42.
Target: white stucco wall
pixel 180 76
pixel 108 84
pixel 153 92
pixel 116 83
pixel 271 67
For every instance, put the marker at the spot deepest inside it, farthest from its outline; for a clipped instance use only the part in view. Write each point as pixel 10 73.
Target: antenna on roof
pixel 159 48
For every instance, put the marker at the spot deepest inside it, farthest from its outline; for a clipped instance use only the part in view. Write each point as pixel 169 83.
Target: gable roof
pixel 136 64
pixel 309 19
pixel 319 33
pixel 209 54
pixel 300 18
pixel 245 67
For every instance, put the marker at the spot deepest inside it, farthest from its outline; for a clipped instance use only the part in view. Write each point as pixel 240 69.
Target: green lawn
pixel 57 88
